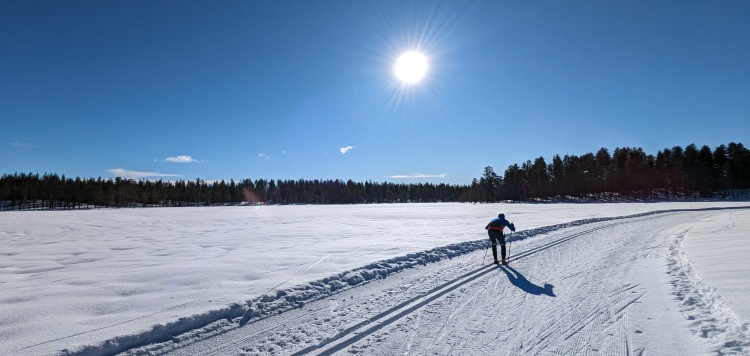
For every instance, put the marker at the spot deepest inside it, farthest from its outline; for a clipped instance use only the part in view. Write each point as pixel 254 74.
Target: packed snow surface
pixel 627 278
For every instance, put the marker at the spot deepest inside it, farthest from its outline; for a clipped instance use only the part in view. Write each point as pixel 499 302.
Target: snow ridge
pixel 279 301
pixel 709 316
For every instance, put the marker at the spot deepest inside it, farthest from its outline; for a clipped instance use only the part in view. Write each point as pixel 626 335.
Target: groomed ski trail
pixel 596 287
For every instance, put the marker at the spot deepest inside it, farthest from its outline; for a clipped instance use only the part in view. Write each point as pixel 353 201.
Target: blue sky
pixel 289 90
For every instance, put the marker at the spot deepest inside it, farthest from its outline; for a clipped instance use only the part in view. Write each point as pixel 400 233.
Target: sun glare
pixel 411 67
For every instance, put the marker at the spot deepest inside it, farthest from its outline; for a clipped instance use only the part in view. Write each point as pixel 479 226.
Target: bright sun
pixel 411 67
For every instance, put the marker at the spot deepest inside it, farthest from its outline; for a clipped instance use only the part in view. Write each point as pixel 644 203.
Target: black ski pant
pixel 496 237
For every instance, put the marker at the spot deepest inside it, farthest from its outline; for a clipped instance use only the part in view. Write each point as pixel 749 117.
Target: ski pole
pixel 485 252
pixel 510 241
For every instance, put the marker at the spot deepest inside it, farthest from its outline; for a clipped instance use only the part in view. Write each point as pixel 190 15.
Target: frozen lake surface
pixel 95 281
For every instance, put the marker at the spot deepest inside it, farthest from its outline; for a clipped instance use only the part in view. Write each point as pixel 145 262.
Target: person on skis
pixel 495 230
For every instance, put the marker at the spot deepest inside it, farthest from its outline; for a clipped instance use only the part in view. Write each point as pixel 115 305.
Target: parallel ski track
pixel 377 322
pixel 547 246
pixel 357 332
pixel 399 311
pixel 381 320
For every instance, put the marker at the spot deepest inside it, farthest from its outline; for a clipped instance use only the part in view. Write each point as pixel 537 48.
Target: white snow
pixel 719 248
pixel 586 278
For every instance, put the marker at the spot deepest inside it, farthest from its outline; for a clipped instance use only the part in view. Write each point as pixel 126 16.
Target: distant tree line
pixel 49 191
pixel 628 173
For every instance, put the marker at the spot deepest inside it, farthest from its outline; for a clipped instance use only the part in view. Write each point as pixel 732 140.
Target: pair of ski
pixel 499 264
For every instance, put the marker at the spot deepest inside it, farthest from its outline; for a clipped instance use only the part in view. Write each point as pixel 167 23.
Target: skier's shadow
pixel 518 280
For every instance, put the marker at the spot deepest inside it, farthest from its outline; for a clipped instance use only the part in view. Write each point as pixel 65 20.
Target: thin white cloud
pixel 417 176
pixel 21 144
pixel 264 156
pixel 346 149
pixel 128 174
pixel 181 159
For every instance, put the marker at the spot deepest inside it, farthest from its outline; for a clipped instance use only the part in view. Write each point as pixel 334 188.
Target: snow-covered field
pixel 629 278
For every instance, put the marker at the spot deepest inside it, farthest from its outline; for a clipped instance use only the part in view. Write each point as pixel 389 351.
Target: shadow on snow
pixel 518 280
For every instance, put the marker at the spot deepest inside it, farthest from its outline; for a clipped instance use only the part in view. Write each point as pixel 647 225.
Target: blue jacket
pixel 500 223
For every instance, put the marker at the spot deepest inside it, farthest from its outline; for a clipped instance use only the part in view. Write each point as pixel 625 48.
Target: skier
pixel 495 230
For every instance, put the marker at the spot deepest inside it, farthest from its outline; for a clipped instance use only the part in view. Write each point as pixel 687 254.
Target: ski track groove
pixel 351 329
pixel 470 306
pixel 541 338
pixel 262 332
pixel 536 340
pixel 356 333
pixel 443 331
pixel 582 326
pixel 601 324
